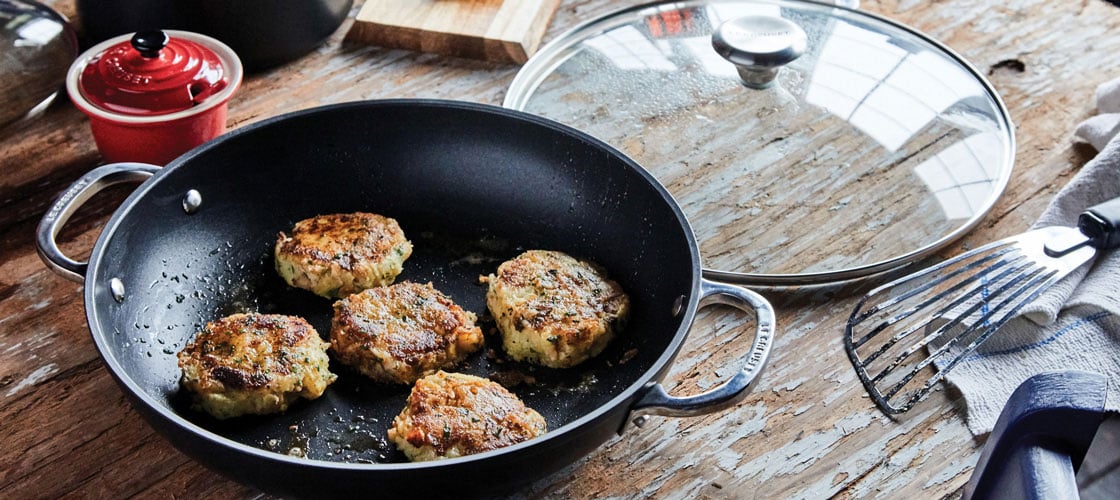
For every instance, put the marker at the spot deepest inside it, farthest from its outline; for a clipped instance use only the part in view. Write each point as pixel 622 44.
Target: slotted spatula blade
pixel 950 309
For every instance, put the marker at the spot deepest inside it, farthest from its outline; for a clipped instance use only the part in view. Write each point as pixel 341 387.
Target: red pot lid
pixel 152 74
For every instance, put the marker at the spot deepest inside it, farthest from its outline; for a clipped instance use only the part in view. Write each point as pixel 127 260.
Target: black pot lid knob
pixel 758 46
pixel 149 43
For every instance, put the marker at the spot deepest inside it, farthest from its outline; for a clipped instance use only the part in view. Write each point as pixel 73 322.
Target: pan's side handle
pixel 74 197
pixel 658 402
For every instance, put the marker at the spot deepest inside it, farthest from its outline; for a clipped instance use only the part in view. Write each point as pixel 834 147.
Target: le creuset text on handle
pixel 657 401
pixel 75 196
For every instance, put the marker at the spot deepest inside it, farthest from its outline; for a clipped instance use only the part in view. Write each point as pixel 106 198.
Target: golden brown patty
pixel 451 414
pixel 400 333
pixel 336 255
pixel 555 310
pixel 254 364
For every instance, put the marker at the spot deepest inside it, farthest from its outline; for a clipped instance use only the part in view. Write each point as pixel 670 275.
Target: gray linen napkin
pixel 1075 324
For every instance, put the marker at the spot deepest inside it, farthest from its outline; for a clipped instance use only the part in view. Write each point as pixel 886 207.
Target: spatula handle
pixel 1100 223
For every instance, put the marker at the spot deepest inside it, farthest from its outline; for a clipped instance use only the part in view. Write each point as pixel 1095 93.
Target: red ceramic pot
pixel 152 96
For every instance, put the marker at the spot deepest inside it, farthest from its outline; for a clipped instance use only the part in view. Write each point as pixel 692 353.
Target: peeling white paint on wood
pixel 790 385
pixel 955 468
pixel 884 475
pixel 33 378
pixel 42 304
pixel 800 454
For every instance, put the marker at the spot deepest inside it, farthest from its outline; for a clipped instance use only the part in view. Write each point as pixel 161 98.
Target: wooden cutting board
pixel 493 30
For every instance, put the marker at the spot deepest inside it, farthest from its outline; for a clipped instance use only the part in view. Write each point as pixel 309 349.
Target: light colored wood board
pixel 492 30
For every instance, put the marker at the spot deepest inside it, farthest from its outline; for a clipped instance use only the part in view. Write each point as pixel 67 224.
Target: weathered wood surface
pixel 807 431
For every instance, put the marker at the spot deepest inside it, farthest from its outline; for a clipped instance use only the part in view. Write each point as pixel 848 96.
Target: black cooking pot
pixel 263 33
pixel 471 185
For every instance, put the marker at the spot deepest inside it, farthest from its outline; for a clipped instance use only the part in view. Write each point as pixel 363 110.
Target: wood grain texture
pixel 492 30
pixel 807 430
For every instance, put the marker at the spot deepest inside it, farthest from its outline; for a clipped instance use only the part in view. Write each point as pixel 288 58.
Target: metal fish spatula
pixel 962 302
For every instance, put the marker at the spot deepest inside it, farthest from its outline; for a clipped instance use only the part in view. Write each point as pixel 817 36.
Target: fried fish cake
pixel 451 415
pixel 340 254
pixel 254 364
pixel 553 309
pixel 402 332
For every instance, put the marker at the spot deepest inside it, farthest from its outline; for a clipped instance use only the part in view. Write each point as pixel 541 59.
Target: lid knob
pixel 149 43
pixel 758 46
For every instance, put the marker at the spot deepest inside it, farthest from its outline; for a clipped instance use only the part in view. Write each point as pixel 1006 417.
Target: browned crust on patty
pixel 254 363
pixel 456 414
pixel 402 332
pixel 338 254
pixel 554 309
pixel 349 237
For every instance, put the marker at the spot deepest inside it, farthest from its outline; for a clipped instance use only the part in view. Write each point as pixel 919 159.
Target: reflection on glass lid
pixel 872 147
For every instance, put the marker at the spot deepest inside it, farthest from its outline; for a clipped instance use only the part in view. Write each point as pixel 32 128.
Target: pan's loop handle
pixel 658 402
pixel 74 197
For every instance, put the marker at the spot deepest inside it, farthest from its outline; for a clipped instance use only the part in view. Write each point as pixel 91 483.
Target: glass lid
pixel 806 143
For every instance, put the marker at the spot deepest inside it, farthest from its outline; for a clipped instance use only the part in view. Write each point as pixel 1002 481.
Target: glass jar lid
pixel 806 143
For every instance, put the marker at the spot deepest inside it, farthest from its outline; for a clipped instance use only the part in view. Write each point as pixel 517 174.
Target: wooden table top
pixel 807 430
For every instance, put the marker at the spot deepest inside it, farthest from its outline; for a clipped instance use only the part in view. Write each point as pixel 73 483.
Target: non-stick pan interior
pixel 471 186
